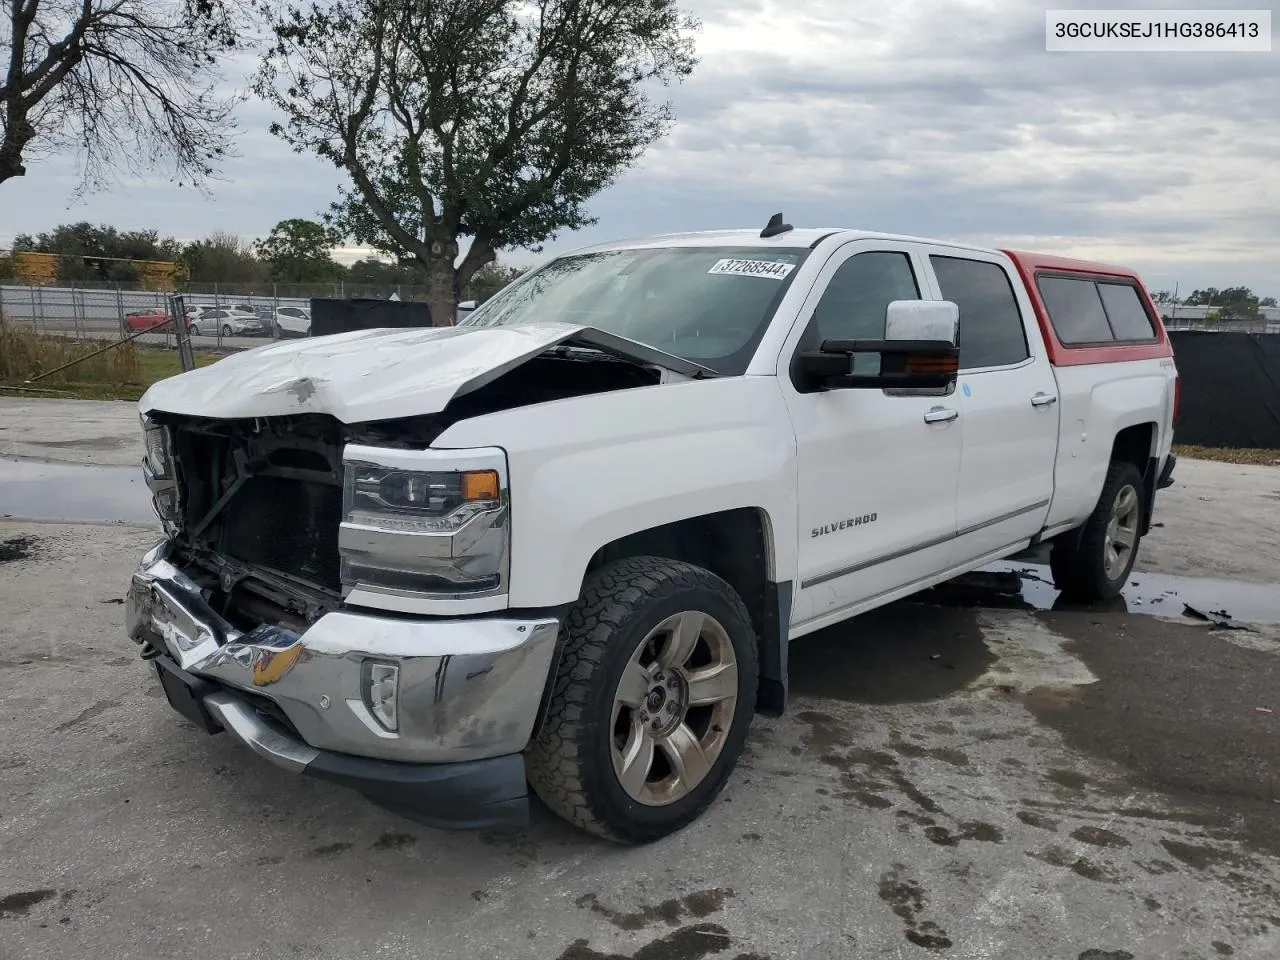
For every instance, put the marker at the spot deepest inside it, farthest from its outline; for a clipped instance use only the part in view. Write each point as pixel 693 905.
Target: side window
pixel 1128 317
pixel 991 329
pixel 853 305
pixel 1075 310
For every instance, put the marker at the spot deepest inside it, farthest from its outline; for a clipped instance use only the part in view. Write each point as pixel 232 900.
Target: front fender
pixel 589 470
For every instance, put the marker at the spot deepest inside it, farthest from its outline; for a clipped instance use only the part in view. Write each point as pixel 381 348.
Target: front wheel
pixel 192 330
pixel 651 701
pixel 226 330
pixel 1096 563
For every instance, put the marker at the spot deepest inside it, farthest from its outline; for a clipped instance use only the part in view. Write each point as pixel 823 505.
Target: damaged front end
pixel 335 594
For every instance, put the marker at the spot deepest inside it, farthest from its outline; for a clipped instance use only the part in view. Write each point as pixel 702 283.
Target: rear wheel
pixel 1095 564
pixel 651 703
pixel 192 330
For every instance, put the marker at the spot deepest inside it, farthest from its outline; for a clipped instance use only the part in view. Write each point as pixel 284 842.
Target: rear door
pixel 1008 401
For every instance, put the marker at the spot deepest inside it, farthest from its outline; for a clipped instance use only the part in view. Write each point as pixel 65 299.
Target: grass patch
pixel 121 373
pixel 1228 454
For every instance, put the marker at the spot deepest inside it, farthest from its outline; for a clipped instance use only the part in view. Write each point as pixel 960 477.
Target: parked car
pixel 148 319
pixel 229 321
pixel 294 321
pixel 567 542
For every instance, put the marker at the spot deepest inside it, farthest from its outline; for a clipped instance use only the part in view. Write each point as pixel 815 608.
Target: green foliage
pixel 1267 302
pixel 489 279
pixel 490 119
pixel 223 257
pixel 374 272
pixel 298 251
pixel 1231 303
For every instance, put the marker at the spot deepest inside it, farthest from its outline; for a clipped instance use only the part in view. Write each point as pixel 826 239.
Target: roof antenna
pixel 775 227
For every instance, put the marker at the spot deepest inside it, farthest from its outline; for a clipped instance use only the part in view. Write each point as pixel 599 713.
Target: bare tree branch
pixel 123 84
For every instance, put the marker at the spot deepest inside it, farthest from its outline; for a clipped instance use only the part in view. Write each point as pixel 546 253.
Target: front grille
pixel 288 525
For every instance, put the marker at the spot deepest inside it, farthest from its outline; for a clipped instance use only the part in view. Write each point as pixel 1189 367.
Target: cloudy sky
pixel 941 118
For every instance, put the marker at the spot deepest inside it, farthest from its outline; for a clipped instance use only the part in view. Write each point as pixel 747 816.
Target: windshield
pixel 706 304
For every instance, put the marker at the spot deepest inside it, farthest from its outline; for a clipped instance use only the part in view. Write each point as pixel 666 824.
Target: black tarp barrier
pixel 338 316
pixel 1230 389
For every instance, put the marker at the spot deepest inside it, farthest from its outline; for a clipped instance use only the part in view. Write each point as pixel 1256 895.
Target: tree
pixel 490 119
pixel 1267 302
pixel 1165 297
pixel 128 82
pixel 374 272
pixel 298 251
pixel 223 258
pixel 1231 303
pixel 489 279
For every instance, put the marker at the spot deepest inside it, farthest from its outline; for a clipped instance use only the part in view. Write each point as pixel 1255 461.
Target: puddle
pixel 1010 585
pixel 31 490
pixel 901 653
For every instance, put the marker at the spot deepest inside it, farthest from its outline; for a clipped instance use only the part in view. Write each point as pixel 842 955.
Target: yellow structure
pixel 41 269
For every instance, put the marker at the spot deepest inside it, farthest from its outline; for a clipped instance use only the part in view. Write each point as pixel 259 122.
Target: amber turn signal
pixel 480 485
pixel 933 364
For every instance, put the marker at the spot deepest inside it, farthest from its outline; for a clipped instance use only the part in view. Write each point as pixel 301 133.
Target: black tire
pixel 569 761
pixel 1078 561
pixel 193 330
pixel 226 329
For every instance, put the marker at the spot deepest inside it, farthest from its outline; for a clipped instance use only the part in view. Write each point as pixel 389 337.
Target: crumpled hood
pixel 370 375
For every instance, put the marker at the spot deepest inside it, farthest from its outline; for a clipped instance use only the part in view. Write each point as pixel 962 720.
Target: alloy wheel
pixel 674 707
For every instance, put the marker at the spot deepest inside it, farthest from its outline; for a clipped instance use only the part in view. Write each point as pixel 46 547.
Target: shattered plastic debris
pixel 1264 710
pixel 1219 618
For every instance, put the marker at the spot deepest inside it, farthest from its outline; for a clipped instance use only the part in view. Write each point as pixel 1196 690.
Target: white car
pixel 567 542
pixel 293 321
pixel 227 321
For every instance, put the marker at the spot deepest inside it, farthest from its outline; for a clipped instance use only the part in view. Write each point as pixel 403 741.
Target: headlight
pixel 160 472
pixel 426 523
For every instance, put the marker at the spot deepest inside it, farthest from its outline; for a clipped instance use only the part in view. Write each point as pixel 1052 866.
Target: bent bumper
pixel 469 691
pixel 474 794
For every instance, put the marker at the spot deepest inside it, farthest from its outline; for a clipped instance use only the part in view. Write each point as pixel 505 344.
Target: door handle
pixel 941 415
pixel 1043 399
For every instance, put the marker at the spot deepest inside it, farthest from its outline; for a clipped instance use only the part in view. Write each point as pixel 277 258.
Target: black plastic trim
pixel 469 795
pixel 771 693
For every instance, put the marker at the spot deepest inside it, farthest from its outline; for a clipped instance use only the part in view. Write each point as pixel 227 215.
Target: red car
pixel 147 319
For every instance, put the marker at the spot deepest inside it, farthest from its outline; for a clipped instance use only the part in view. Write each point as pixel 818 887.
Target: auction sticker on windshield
pixel 771 269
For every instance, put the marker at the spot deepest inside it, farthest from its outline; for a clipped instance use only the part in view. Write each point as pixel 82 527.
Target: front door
pixel 877 472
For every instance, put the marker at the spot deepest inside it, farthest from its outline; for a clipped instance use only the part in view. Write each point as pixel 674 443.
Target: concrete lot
pixel 953 782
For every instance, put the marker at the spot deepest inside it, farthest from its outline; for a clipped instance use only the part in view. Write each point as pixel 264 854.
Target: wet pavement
pixel 981 782
pixel 981 772
pixel 37 490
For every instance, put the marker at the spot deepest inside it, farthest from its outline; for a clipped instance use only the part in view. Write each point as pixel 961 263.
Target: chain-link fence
pixel 215 314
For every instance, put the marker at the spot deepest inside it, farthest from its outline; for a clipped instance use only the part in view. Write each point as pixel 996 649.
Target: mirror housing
pixel 919 352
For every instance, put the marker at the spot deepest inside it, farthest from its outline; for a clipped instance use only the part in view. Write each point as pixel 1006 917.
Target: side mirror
pixel 918 352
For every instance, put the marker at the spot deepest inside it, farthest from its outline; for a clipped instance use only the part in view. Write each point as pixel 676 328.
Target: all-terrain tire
pixel 569 762
pixel 1079 563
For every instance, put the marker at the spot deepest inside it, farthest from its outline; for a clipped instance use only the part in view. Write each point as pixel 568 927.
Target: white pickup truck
pixel 566 543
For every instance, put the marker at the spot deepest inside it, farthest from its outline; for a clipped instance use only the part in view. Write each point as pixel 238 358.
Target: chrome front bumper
pixel 469 689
